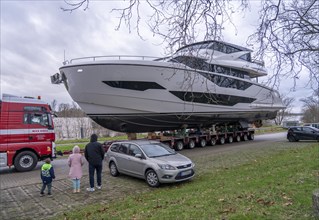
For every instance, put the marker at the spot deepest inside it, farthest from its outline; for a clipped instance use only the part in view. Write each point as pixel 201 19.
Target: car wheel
pixel 202 143
pixel 291 139
pixel 25 161
pixel 152 179
pixel 238 138
pixel 113 169
pixel 245 137
pixel 213 142
pixel 191 144
pixel 179 145
pixel 230 139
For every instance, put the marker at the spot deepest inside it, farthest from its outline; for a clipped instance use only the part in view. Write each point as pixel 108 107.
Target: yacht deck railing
pixel 111 57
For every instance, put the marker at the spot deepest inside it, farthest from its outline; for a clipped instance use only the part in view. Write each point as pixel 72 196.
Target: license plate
pixel 185 173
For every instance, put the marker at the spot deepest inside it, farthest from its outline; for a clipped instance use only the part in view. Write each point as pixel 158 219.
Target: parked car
pixel 316 125
pixel 302 133
pixel 150 160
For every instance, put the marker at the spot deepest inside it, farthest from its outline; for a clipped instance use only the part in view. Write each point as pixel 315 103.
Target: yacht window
pixel 193 62
pixel 134 85
pixel 227 82
pixel 246 57
pixel 211 98
pixel 223 48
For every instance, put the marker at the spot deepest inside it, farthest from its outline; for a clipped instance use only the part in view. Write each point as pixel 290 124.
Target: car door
pixel 135 164
pixel 121 158
pixel 309 133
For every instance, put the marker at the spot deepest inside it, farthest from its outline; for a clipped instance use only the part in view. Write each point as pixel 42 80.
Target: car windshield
pixel 157 150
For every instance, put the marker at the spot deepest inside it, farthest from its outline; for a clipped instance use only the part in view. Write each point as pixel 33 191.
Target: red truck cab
pixel 26 132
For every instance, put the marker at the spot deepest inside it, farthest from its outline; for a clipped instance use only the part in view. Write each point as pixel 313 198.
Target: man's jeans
pixel 98 169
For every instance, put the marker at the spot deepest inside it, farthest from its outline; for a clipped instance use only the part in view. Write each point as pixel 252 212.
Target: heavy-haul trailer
pixel 180 140
pixel 201 139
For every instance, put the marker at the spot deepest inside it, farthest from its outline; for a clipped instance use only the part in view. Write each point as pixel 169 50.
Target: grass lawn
pixel 274 185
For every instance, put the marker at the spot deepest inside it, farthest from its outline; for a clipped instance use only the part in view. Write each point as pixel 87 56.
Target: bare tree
pixel 311 108
pixel 287 34
pixel 177 22
pixel 283 113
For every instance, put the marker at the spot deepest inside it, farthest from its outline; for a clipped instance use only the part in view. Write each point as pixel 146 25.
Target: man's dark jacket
pixel 94 152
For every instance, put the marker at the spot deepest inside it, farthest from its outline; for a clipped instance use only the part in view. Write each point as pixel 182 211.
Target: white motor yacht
pixel 201 85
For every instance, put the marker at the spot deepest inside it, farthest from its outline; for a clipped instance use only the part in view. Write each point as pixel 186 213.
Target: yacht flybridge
pixel 202 84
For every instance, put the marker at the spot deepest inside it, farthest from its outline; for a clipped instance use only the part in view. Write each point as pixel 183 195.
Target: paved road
pixel 20 191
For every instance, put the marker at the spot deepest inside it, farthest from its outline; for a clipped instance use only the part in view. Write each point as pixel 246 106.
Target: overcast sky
pixel 35 34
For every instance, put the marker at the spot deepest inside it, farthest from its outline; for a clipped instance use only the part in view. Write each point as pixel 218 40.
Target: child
pixel 75 162
pixel 47 175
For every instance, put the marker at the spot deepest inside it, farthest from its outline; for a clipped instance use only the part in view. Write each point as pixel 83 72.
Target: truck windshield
pixel 43 119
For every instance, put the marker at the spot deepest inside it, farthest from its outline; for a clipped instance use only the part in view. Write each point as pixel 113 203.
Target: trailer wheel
pixel 251 137
pixel 191 144
pixel 238 138
pixel 25 161
pixel 230 139
pixel 179 145
pixel 202 143
pixel 245 137
pixel 222 140
pixel 213 142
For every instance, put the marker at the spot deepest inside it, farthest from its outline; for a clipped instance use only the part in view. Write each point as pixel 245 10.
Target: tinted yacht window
pixel 134 85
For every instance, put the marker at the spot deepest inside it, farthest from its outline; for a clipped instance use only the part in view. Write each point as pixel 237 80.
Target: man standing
pixel 94 154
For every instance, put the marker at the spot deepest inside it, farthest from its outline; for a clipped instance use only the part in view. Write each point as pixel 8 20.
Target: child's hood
pixel 46 166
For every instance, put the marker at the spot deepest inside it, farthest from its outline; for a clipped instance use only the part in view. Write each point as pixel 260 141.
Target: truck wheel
pixel 245 137
pixel 25 161
pixel 222 140
pixel 251 137
pixel 113 169
pixel 238 138
pixel 179 145
pixel 213 142
pixel 152 179
pixel 191 144
pixel 202 143
pixel 230 139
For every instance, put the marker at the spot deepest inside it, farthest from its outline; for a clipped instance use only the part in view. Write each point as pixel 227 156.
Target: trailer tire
pixel 251 137
pixel 245 137
pixel 222 140
pixel 179 145
pixel 238 138
pixel 230 139
pixel 202 143
pixel 213 142
pixel 191 144
pixel 25 161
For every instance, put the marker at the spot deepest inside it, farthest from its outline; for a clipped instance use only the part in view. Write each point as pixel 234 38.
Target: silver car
pixel 150 160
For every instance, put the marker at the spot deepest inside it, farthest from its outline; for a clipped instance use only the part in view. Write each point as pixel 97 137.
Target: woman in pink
pixel 75 162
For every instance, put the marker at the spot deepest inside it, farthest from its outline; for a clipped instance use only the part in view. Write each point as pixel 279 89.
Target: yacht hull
pixel 146 96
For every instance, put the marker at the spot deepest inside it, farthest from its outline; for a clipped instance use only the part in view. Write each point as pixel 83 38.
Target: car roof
pixel 303 127
pixel 138 141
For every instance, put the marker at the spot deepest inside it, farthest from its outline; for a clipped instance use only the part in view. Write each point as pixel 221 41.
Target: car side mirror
pixel 138 156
